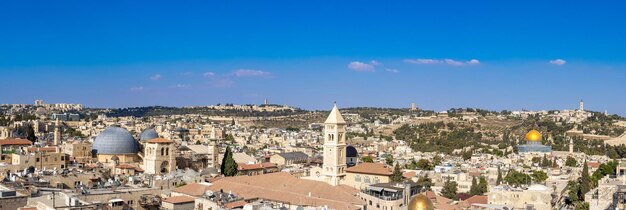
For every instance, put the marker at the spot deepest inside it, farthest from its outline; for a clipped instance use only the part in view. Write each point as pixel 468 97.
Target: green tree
pixel 424 164
pixel 436 160
pixel 545 162
pixel 396 176
pixel 571 161
pixel 539 176
pixel 229 166
pixel 585 180
pixel 474 190
pixel 30 133
pixel 449 189
pixel 582 206
pixel 230 138
pixel 425 181
pixel 516 178
pixel 367 159
pixel 389 160
pixel 483 186
pixel 573 187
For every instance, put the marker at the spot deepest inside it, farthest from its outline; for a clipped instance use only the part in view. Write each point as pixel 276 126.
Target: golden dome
pixel 421 202
pixel 533 135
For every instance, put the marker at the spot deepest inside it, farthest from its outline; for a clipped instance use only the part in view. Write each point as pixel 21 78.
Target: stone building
pixel 159 156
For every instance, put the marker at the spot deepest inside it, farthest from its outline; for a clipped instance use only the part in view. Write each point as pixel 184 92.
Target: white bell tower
pixel 334 167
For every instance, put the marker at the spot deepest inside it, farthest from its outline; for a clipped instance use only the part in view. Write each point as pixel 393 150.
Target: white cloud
pixel 136 89
pixel 360 66
pixel 442 61
pixel 376 63
pixel 208 74
pixel 182 86
pixel 558 62
pixel 473 62
pixel 392 70
pixel 155 77
pixel 251 73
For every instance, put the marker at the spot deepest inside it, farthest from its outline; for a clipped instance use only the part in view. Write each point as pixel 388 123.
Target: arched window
pixel 162 151
pixel 167 151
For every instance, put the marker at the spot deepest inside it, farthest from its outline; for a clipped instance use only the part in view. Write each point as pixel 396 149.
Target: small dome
pixel 421 202
pixel 115 140
pixel 351 151
pixel 533 135
pixel 148 134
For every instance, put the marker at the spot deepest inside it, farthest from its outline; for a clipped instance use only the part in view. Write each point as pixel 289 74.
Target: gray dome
pixel 148 134
pixel 115 140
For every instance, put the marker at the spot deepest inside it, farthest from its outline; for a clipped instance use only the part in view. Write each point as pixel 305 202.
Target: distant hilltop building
pixel 413 106
pixel 249 107
pixel 39 103
pixel 533 144
pixel 582 105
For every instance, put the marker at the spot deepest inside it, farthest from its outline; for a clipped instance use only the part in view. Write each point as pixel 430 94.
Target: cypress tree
pixel 229 166
pixel 397 174
pixel 483 186
pixel 585 180
pixel 474 188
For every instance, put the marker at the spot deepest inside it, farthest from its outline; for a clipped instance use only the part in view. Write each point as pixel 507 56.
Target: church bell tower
pixel 334 167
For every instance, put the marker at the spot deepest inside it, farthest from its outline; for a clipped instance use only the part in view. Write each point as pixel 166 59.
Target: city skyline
pixel 535 56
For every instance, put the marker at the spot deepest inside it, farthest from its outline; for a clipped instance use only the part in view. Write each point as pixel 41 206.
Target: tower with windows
pixel 334 167
pixel 159 156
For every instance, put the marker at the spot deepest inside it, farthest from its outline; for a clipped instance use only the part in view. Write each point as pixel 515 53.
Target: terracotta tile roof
pixel 244 167
pixel 593 164
pixel 160 140
pixel 481 199
pixel 370 168
pixel 179 199
pixel 15 142
pixel 408 175
pixel 286 188
pixel 193 189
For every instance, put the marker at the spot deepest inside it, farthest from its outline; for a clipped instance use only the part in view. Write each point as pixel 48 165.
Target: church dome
pixel 115 140
pixel 148 134
pixel 421 202
pixel 533 135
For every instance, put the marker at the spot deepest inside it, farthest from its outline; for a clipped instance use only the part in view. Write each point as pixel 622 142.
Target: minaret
pixel 334 147
pixel 213 153
pixel 57 133
pixel 265 102
pixel 413 107
pixel 582 105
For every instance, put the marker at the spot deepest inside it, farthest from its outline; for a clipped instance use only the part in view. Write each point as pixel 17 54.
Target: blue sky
pixel 441 54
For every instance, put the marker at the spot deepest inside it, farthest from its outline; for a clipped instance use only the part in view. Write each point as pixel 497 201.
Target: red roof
pixel 481 199
pixel 408 175
pixel 15 142
pixel 593 164
pixel 179 199
pixel 370 168
pixel 243 166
